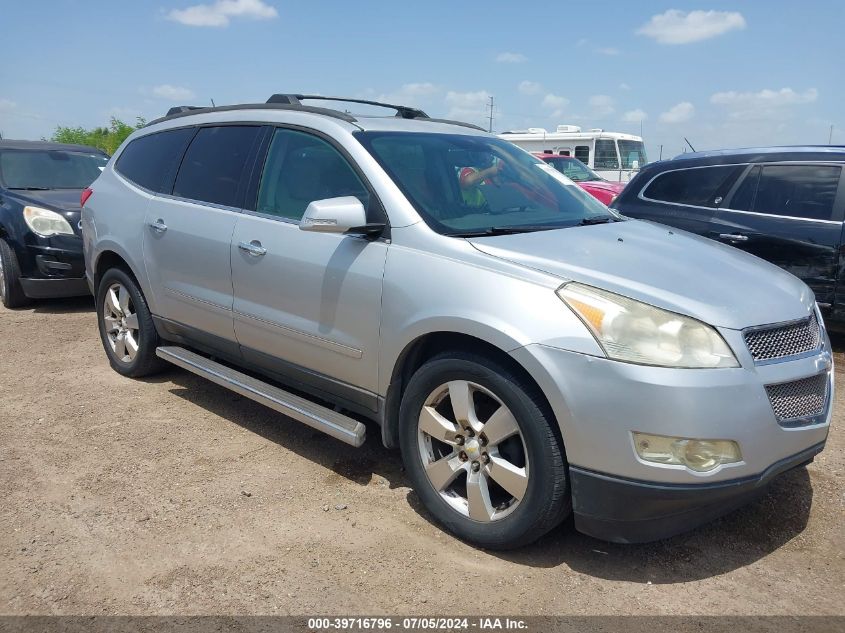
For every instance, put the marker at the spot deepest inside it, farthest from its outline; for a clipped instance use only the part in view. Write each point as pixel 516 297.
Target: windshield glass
pixel 50 169
pixel 572 168
pixel 462 184
pixel 631 151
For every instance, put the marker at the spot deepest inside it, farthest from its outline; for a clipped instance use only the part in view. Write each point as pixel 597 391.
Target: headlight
pixel 46 222
pixel 636 332
pixel 698 455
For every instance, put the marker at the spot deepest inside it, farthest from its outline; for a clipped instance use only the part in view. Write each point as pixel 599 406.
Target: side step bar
pixel 314 415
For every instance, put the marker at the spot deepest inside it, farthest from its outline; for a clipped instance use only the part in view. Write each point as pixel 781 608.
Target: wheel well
pixel 106 261
pixel 426 347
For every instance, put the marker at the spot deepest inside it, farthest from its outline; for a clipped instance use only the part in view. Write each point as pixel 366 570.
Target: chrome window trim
pixel 645 198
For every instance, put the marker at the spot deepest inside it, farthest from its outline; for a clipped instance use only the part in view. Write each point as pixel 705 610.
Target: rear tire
pixel 480 447
pixel 11 291
pixel 126 325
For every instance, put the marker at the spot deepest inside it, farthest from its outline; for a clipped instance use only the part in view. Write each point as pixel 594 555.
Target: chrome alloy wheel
pixel 121 323
pixel 472 451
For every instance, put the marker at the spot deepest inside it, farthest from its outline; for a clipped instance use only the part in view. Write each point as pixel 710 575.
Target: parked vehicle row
pixel 40 243
pixel 532 353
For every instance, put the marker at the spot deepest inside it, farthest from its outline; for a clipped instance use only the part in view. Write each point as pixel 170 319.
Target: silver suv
pixel 532 353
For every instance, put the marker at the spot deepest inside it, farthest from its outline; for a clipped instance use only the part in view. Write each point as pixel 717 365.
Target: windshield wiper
pixel 30 188
pixel 605 219
pixel 505 230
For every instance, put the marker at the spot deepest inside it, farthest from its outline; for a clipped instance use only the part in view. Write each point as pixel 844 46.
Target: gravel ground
pixel 171 495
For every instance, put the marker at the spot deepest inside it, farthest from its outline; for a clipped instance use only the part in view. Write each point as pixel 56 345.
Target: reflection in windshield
pixel 466 184
pixel 50 169
pixel 573 169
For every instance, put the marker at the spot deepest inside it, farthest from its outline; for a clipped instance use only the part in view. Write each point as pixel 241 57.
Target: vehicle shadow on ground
pixel 356 465
pixel 732 542
pixel 70 305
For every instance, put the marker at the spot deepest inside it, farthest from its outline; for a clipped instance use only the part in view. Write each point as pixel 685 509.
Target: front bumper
pixel 627 511
pixel 55 288
pixel 52 267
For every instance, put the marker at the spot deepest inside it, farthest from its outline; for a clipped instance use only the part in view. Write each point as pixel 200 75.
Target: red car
pixel 603 190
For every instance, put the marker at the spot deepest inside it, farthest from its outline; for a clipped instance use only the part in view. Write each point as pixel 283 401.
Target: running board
pixel 314 415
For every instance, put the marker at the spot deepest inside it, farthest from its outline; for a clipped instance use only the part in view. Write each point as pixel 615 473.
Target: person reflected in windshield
pixel 472 179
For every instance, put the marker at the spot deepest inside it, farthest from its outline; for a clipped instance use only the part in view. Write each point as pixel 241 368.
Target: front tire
pixel 479 446
pixel 126 325
pixel 11 291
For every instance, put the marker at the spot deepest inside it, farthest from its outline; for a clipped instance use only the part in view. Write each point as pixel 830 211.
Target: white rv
pixel 613 155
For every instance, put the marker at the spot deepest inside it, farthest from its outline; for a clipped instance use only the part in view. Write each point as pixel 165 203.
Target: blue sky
pixel 723 74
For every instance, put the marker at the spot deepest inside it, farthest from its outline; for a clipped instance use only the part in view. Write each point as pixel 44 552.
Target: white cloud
pixel 173 93
pixel 467 105
pixel 601 105
pixel 6 104
pixel 635 116
pixel 554 101
pixel 624 86
pixel 529 87
pixel 608 51
pixel 220 13
pixel 511 58
pixel 409 93
pixel 765 98
pixel 679 27
pixel 678 113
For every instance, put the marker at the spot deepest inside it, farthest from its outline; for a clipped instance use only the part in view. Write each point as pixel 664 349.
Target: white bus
pixel 613 155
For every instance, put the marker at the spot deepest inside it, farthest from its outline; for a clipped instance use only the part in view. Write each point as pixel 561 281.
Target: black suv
pixel 783 204
pixel 40 240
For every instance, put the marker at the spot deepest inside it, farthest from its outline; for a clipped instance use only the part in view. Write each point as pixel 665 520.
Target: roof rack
pixel 405 112
pixel 294 102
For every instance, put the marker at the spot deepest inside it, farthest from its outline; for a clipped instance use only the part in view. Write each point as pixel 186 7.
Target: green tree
pixel 107 139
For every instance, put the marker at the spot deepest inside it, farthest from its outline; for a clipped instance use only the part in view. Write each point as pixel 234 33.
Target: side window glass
pixel 582 153
pixel 150 161
pixel 801 191
pixel 214 163
pixel 301 168
pixel 606 157
pixel 743 198
pixel 701 187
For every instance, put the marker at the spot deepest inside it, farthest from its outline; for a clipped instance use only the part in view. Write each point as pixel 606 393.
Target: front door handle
pixel 158 226
pixel 733 237
pixel 254 248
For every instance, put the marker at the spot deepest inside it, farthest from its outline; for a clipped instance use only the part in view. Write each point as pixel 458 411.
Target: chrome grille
pixel 782 341
pixel 800 399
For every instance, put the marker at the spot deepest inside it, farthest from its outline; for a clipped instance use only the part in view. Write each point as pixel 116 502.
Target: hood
pixel 664 267
pixel 601 185
pixel 53 199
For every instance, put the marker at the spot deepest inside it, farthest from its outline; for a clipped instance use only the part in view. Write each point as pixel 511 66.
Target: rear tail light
pixel 86 193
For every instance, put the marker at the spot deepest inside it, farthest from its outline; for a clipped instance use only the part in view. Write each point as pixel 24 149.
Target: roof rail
pixel 182 108
pixel 183 111
pixel 406 112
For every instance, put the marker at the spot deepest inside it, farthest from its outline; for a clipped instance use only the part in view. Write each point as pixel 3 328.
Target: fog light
pixel 697 455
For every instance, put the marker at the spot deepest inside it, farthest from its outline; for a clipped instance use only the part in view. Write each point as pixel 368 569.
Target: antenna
pixel 490 105
pixel 213 105
pixel 690 144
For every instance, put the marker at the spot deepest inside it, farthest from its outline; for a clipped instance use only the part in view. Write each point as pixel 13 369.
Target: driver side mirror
pixel 338 215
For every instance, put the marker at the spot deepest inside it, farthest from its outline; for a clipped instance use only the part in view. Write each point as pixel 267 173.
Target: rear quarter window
pixel 151 160
pixel 700 186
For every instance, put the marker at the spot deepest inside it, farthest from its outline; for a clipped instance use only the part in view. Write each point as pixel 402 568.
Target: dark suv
pixel 40 239
pixel 784 204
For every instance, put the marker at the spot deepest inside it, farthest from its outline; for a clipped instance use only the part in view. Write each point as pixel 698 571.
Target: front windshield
pixel 631 151
pixel 572 168
pixel 50 169
pixel 465 185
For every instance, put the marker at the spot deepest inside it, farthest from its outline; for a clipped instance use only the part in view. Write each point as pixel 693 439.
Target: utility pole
pixel 661 152
pixel 490 105
pixel 830 136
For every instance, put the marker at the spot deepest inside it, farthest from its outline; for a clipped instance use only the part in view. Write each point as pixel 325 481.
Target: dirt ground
pixel 172 495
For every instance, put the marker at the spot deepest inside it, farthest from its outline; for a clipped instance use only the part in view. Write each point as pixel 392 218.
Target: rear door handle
pixel 158 226
pixel 733 237
pixel 254 248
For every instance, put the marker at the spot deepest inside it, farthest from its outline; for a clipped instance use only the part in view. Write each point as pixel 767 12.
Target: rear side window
pixel 150 161
pixel 214 163
pixel 606 157
pixel 701 187
pixel 801 191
